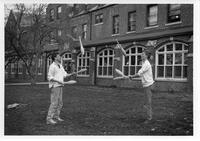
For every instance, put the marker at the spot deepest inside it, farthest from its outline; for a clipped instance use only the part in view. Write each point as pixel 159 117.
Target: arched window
pixel 105 63
pixel 132 62
pixel 83 62
pixel 171 61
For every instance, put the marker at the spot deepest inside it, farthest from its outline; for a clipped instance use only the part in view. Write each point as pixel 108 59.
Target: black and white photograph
pixel 99 69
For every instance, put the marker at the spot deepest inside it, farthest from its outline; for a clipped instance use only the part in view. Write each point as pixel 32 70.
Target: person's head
pixel 145 55
pixel 56 57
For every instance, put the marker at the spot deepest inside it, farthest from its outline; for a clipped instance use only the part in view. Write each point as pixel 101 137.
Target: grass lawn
pixel 91 110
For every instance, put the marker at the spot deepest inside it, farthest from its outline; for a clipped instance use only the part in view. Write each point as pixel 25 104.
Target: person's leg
pixel 148 94
pixel 60 104
pixel 54 104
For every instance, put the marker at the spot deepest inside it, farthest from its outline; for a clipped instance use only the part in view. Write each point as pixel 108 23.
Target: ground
pixel 92 110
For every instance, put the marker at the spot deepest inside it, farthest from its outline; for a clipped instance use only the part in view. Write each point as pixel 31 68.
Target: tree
pixel 26 34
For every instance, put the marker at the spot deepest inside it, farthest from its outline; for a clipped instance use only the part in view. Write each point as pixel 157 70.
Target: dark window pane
pixel 100 70
pixel 168 71
pixel 178 58
pixel 126 60
pixel 185 71
pixel 100 61
pixel 109 71
pixel 133 50
pixel 132 70
pixel 87 72
pixel 88 62
pixel 110 52
pixel 138 68
pixel 105 52
pixel 126 70
pixel 139 50
pixel 177 71
pixel 139 60
pixel 160 71
pixel 169 59
pixel 160 59
pixel 105 61
pixel 79 62
pixel 127 52
pixel 185 47
pixel 185 58
pixel 111 61
pixel 133 60
pixel 178 46
pixel 170 47
pixel 104 70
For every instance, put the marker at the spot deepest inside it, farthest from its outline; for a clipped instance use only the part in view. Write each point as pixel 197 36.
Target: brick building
pixel 165 30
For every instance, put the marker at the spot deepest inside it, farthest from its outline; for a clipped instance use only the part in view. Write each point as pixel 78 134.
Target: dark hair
pixel 53 56
pixel 148 53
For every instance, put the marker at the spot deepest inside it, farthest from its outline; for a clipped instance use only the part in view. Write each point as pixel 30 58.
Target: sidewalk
pixel 16 84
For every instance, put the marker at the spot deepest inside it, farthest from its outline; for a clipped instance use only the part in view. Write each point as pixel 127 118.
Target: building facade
pixel 166 30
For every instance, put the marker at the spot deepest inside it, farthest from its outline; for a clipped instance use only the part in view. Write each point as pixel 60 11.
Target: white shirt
pixel 146 74
pixel 56 73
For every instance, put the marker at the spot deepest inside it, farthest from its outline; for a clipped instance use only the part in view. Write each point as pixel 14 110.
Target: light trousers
pixel 148 106
pixel 56 103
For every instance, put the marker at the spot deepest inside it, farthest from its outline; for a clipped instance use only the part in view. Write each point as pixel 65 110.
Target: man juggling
pixel 147 81
pixel 56 77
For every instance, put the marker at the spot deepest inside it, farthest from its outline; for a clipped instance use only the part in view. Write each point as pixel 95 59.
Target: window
pixel 83 62
pixel 12 68
pixel 116 24
pixel 131 21
pixel 174 13
pixel 59 10
pixel 84 29
pixel 74 31
pixel 67 56
pixel 51 18
pixel 132 62
pixel 152 14
pixel 20 66
pixel 40 66
pixel 59 32
pixel 99 19
pixel 105 63
pixel 171 61
pixel 52 38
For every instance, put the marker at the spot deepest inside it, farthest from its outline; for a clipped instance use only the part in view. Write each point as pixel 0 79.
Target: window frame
pixel 84 58
pixel 12 68
pixel 169 21
pixel 149 15
pixel 173 52
pixel 99 20
pixel 115 25
pixel 130 54
pixel 51 15
pixel 59 13
pixel 130 22
pixel 84 31
pixel 40 63
pixel 107 65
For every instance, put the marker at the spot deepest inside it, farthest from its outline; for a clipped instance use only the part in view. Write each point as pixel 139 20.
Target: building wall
pixel 100 37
